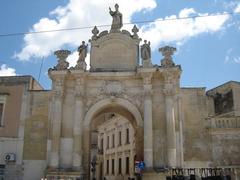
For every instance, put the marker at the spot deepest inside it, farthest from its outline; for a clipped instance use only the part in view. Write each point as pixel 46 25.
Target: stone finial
pixel 117 19
pixel 135 31
pixel 167 52
pixel 95 32
pixel 62 56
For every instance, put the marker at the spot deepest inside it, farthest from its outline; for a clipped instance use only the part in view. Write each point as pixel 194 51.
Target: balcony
pixel 224 125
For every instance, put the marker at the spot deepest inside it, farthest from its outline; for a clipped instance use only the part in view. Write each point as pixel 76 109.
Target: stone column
pixel 148 128
pixel 56 122
pixel 170 121
pixel 78 123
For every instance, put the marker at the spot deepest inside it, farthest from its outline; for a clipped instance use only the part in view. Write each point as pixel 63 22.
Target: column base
pixel 153 175
pixel 63 174
pixel 172 157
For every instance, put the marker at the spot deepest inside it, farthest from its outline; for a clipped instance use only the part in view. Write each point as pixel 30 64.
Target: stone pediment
pixel 114 51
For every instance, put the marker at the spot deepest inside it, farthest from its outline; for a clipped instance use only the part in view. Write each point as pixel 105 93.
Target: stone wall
pixel 196 138
pixel 35 137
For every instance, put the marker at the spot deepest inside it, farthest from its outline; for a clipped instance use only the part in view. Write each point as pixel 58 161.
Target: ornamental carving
pixel 62 56
pixel 113 88
pixel 167 52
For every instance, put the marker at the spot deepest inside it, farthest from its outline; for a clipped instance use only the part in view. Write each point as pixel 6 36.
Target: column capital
pixel 171 75
pixel 79 88
pixel 58 84
pixel 147 90
pixel 147 78
pixel 169 92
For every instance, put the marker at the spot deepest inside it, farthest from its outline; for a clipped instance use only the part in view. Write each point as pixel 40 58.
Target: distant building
pixel 100 123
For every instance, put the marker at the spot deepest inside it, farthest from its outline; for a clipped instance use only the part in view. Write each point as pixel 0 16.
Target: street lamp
pixel 93 168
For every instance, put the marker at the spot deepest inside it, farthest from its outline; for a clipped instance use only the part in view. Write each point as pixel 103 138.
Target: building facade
pixel 13 106
pixel 97 123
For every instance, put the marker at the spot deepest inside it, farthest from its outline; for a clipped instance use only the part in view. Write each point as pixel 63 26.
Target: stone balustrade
pixel 225 122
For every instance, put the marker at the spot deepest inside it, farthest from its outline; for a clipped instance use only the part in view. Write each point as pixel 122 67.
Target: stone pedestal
pixel 153 176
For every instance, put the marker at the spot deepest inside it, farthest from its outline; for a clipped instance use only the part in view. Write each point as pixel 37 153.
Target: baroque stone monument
pixel 121 111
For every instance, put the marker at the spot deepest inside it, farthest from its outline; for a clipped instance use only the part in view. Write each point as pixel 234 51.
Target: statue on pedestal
pixel 82 51
pixel 117 19
pixel 146 54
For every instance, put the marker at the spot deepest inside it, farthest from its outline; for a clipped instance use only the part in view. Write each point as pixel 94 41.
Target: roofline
pixel 228 82
pixel 25 76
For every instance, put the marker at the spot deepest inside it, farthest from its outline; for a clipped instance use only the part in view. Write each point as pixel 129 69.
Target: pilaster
pixel 57 98
pixel 171 87
pixel 148 129
pixel 78 122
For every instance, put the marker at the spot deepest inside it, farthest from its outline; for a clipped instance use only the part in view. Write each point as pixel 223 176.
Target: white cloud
pixel 237 9
pixel 231 56
pixel 237 59
pixel 170 30
pixel 7 71
pixel 86 13
pixel 75 14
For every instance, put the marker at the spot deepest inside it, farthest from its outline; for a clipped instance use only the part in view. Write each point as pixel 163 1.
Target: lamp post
pixel 93 168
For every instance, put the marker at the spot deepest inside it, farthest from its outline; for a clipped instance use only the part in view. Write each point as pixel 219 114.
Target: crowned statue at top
pixel 117 19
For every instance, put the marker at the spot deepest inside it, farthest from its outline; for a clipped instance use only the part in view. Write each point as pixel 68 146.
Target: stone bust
pixel 117 19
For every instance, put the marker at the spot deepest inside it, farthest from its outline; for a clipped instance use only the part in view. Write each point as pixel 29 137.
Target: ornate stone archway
pixel 120 106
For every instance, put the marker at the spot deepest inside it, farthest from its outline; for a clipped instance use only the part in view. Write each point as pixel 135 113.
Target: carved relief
pixel 113 88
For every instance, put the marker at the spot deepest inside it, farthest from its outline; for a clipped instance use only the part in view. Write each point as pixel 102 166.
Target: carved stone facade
pixel 170 126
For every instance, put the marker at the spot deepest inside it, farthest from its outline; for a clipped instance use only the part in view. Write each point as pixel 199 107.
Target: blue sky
pixel 208 48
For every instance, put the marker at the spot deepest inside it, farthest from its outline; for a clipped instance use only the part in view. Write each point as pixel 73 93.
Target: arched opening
pixel 113 139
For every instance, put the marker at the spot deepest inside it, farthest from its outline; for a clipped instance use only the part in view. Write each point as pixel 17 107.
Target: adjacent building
pixel 13 106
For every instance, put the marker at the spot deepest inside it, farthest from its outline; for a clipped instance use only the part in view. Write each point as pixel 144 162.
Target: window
pixel 120 138
pixel 127 136
pixel 113 140
pixel 2 107
pixel 127 165
pixel 101 146
pixel 113 166
pixel 107 166
pixel 119 166
pixel 108 142
pixel 1 113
